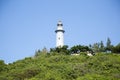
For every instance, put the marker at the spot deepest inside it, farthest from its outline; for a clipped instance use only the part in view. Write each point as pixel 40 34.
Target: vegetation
pixel 56 66
pixel 109 48
pixel 59 64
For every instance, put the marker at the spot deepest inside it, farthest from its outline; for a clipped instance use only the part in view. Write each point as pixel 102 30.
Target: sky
pixel 29 25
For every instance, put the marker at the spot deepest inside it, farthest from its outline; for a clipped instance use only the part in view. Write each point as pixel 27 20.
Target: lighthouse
pixel 59 35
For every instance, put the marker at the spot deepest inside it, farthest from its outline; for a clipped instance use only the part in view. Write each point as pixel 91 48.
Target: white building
pixel 59 35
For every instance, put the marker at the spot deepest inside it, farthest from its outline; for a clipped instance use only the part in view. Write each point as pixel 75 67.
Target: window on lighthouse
pixel 59 38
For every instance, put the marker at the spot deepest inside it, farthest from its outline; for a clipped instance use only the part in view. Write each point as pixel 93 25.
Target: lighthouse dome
pixel 59 26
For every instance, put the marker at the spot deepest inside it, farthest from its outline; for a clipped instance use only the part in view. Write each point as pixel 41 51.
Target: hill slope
pixel 64 67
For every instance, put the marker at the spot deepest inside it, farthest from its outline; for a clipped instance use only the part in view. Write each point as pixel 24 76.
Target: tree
pixel 2 65
pixel 96 47
pixel 37 53
pixel 44 50
pixel 101 46
pixel 63 50
pixel 116 49
pixel 108 44
pixel 90 46
pixel 74 49
pixel 79 48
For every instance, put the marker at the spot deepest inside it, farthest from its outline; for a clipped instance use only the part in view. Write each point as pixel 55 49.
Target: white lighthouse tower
pixel 59 35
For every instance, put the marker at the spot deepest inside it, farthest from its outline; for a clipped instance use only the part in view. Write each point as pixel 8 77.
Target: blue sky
pixel 29 25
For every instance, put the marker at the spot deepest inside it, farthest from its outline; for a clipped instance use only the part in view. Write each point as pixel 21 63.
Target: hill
pixel 55 66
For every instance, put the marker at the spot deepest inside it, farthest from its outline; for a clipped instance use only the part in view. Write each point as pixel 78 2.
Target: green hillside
pixel 56 66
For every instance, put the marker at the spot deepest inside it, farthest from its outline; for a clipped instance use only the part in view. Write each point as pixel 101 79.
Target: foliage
pixel 102 48
pixel 108 44
pixel 79 48
pixel 62 50
pixel 116 49
pixel 57 66
pixel 96 47
pixel 2 66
